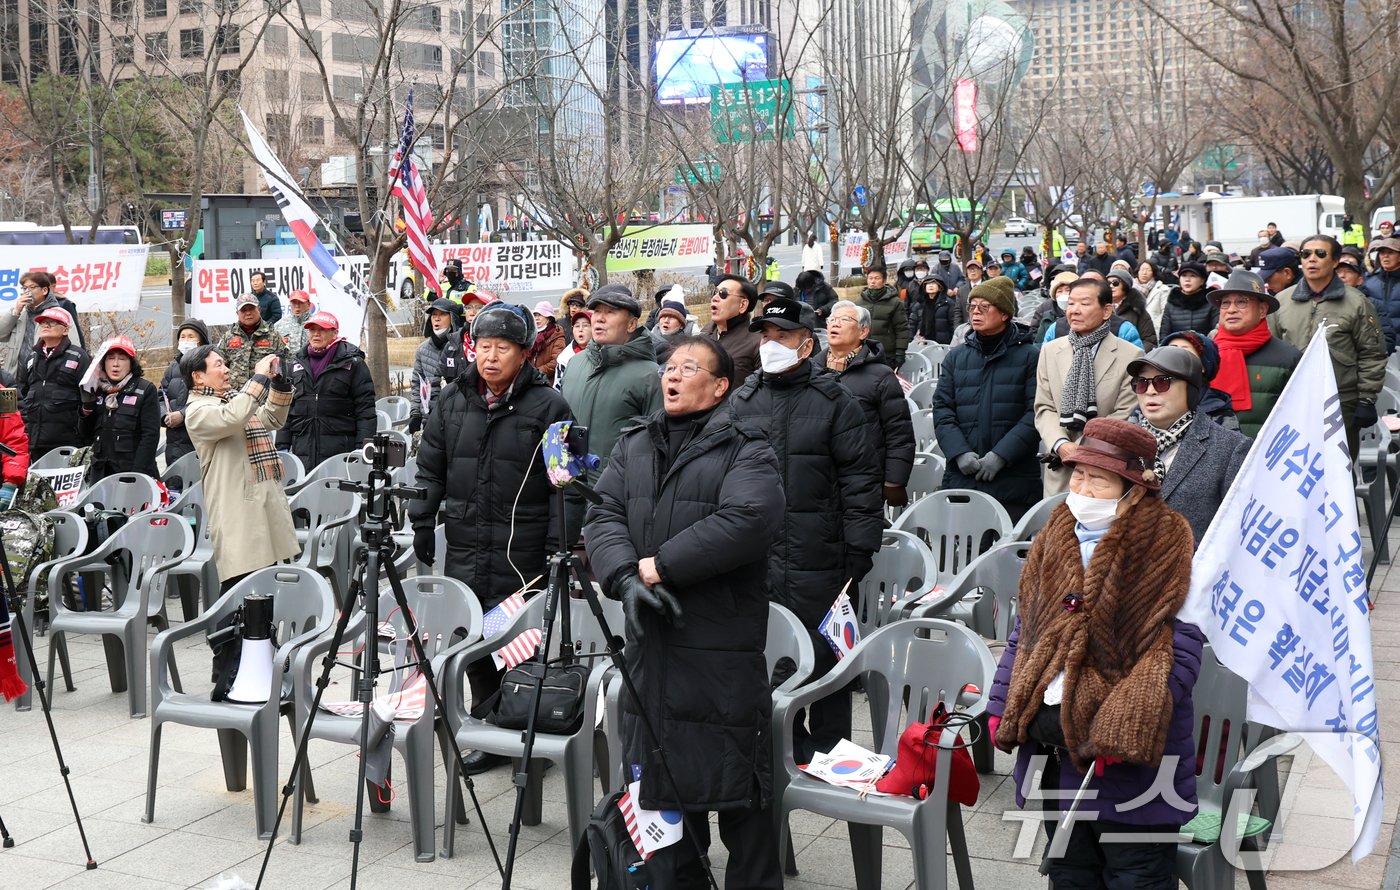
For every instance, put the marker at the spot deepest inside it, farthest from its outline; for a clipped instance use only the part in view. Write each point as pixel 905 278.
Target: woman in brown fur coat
pixel 1098 673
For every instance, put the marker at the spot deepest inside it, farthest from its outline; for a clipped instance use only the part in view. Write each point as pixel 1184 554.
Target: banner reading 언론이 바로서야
pixel 663 247
pixel 96 277
pixel 216 284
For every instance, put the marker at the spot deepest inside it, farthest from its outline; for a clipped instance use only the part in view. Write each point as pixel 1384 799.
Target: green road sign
pixel 706 170
pixel 744 112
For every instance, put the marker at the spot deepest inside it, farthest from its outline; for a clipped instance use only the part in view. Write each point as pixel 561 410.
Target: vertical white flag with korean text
pixel 1278 585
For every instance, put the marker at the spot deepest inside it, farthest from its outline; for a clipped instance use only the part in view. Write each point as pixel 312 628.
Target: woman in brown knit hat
pixel 1098 672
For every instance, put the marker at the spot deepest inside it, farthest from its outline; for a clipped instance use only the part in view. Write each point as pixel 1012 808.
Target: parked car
pixel 1016 225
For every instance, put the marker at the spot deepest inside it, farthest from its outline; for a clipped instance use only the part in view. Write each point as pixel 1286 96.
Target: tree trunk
pixel 376 322
pixel 178 286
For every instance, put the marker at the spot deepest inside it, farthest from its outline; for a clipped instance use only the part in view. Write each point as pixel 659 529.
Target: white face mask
pixel 776 358
pixel 186 346
pixel 920 275
pixel 1062 301
pixel 1092 513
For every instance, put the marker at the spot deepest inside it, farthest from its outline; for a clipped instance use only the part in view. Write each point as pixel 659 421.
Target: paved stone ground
pixel 201 831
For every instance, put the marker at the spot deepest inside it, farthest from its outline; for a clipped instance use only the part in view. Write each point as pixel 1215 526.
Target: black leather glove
pixel 1365 415
pixel 858 565
pixel 664 601
pixel 991 465
pixel 425 544
pixel 415 422
pixel 636 595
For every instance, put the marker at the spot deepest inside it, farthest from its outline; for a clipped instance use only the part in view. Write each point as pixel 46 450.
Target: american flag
pixel 407 185
pixel 518 649
pixel 904 385
pixel 634 830
pixel 408 703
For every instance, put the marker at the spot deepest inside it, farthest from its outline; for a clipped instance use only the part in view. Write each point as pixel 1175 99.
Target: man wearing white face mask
pixel 1052 309
pixel 832 480
pixel 174 393
pixel 1196 459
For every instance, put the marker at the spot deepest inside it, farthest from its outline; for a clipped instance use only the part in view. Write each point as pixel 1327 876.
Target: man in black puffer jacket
pixel 333 396
pixel 1188 306
pixel 858 363
pixel 833 522
pixel 984 405
pixel 479 466
pixel 691 501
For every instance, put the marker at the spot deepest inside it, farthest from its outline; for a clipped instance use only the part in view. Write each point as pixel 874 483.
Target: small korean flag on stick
pixel 839 626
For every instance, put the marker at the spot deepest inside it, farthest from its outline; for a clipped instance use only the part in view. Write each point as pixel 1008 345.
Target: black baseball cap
pixel 787 314
pixel 617 296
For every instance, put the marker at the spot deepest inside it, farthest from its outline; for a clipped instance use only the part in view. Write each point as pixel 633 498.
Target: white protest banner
pixel 96 277
pixel 513 266
pixel 67 483
pixel 853 249
pixel 1279 587
pixel 663 247
pixel 215 284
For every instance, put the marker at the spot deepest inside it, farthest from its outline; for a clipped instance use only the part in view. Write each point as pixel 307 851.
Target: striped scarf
pixel 262 451
pixel 1079 403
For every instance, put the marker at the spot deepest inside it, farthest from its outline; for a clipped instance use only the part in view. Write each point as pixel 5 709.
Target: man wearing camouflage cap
pixel 248 341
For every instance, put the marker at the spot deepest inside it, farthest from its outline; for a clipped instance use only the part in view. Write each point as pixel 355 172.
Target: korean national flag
pixel 840 628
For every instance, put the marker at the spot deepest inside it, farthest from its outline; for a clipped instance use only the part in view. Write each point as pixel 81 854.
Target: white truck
pixel 1235 221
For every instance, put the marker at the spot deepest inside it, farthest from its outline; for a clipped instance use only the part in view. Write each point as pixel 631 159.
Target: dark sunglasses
pixel 1321 253
pixel 1158 384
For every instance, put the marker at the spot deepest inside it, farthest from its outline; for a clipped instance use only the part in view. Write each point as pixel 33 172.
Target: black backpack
pixel 608 847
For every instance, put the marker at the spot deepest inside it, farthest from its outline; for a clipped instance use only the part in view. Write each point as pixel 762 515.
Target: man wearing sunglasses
pixel 734 299
pixel 1196 459
pixel 1355 334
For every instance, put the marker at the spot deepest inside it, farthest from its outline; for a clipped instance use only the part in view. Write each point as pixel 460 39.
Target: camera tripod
pixel 378 520
pixel 566 576
pixel 15 601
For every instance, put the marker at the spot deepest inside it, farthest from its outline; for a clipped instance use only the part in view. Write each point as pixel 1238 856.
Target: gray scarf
pixel 1079 403
pixel 1166 439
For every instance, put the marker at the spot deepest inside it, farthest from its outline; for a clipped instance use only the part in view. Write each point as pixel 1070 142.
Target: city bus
pixel 934 228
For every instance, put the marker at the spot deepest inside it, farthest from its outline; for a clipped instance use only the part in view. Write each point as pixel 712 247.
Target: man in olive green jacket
pixel 1354 333
pixel 889 323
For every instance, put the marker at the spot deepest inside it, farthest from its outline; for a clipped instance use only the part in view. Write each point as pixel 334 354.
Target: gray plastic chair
pixel 924 434
pixel 70 536
pixel 918 662
pixel 958 526
pixel 901 570
pixel 57 459
pixel 130 493
pixel 321 512
pixel 396 407
pixel 134 561
pixel 573 752
pixel 1223 738
pixel 921 394
pixel 180 475
pixel 449 619
pixel 302 608
pixel 926 477
pixel 350 465
pixel 292 470
pixel 916 368
pixel 196 578
pixel 382 421
pixel 1036 517
pixel 985 597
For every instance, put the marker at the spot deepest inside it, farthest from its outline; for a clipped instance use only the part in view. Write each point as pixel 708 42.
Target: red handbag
pixel 912 773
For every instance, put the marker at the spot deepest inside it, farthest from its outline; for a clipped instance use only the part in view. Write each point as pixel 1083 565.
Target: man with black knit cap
pixel 690 503
pixel 614 379
pixel 734 299
pixel 832 481
pixel 479 468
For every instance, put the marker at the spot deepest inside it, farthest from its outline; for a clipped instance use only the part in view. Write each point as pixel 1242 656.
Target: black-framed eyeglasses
pixel 686 370
pixel 1158 384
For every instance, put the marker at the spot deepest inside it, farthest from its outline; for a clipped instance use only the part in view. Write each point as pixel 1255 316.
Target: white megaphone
pixel 253 681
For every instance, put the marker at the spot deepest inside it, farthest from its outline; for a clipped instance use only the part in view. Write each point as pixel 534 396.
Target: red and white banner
pixel 215 284
pixel 965 109
pixel 853 249
pixel 96 277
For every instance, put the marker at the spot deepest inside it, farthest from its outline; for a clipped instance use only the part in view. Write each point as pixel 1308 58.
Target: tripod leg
pixel 425 667
pixel 5 836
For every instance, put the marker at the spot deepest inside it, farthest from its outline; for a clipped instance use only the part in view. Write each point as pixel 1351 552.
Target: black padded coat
pixel 482 469
pixel 125 439
pixel 708 521
pixel 49 398
pixel 830 478
pixel 876 387
pixel 331 414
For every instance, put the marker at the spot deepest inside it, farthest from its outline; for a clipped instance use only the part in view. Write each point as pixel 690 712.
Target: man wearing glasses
pixel 17 327
pixel 734 299
pixel 1355 335
pixel 1080 377
pixel 691 503
pixel 1254 364
pixel 1196 458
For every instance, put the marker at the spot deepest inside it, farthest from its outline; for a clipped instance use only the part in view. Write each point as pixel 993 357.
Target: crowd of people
pixel 751 459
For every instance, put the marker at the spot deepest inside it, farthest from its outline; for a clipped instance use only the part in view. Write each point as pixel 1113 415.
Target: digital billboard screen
pixel 686 67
